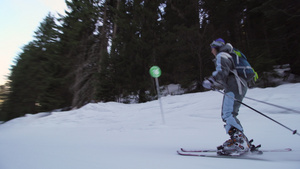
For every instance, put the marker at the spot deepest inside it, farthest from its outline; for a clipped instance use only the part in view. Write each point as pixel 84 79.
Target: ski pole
pixel 269 103
pixel 294 131
pixel 273 105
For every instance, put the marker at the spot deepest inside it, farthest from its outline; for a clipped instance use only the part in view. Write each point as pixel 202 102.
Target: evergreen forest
pixel 102 50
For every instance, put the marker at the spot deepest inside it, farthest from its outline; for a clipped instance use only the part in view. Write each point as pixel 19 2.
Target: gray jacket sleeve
pixel 224 65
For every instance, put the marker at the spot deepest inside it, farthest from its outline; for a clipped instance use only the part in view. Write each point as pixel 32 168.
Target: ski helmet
pixel 217 43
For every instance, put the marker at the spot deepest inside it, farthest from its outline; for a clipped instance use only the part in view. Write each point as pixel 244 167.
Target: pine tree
pixel 133 49
pixel 33 73
pixel 106 89
pixel 24 76
pixel 272 35
pixel 80 46
pixel 53 86
pixel 4 90
pixel 179 47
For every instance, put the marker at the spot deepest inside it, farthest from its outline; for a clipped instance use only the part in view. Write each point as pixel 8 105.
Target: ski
pixel 215 150
pixel 198 151
pixel 243 156
pixel 277 150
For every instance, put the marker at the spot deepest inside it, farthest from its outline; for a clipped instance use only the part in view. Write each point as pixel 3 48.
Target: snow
pixel 132 136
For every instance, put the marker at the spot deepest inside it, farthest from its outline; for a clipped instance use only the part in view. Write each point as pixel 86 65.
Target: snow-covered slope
pixel 132 136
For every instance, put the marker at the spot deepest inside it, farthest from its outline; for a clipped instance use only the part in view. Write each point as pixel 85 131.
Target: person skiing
pixel 225 77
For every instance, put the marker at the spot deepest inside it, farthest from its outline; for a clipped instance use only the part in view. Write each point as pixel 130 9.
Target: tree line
pixel 101 50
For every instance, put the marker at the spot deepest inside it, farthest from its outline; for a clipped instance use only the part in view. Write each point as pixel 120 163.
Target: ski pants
pixel 230 108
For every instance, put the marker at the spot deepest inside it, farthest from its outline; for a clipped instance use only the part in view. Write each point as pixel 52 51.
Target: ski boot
pixel 238 144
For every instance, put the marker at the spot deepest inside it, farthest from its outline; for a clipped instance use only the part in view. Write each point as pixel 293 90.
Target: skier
pixel 225 77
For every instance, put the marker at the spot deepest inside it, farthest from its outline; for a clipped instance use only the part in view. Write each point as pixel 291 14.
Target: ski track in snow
pixel 132 136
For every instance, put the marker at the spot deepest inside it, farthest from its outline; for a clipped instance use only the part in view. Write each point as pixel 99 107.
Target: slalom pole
pixel 155 72
pixel 294 131
pixel 160 103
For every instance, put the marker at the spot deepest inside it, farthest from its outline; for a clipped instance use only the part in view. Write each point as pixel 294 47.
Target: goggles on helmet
pixel 215 44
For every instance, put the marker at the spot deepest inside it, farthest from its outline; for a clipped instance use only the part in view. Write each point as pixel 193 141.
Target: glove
pixel 208 83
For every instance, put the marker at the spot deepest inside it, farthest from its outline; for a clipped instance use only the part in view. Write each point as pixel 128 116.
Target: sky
pixel 19 19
